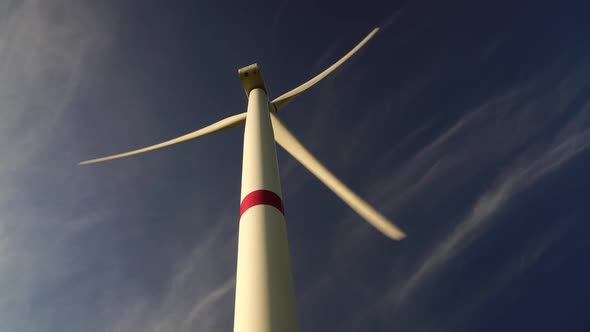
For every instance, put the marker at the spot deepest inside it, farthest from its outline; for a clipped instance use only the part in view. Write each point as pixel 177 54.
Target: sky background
pixel 465 122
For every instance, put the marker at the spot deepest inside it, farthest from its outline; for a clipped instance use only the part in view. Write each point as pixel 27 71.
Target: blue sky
pixel 467 123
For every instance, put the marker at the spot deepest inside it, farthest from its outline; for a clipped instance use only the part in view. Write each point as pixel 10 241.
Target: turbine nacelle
pixel 251 78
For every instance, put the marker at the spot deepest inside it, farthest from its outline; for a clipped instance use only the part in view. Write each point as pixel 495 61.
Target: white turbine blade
pixel 296 149
pixel 226 123
pixel 287 97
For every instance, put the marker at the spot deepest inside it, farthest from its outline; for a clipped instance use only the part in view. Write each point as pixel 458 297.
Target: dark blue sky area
pixel 465 122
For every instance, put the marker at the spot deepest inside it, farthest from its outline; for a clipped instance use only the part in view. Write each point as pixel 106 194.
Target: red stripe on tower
pixel 261 197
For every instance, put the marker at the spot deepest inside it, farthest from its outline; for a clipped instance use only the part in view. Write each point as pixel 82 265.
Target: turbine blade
pixel 283 100
pixel 296 149
pixel 226 123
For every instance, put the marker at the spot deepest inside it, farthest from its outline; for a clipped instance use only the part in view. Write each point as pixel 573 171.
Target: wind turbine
pixel 265 300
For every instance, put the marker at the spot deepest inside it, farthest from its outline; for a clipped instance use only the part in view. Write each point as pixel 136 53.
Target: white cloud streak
pixel 526 122
pixel 202 306
pixel 538 161
pixel 194 299
pixel 42 55
pixel 517 179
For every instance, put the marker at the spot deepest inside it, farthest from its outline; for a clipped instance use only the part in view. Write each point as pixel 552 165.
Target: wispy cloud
pixel 194 298
pixel 539 159
pixel 527 133
pixel 521 176
pixel 523 259
pixel 42 57
pixel 207 301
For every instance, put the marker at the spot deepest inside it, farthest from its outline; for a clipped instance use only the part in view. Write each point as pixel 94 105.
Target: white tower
pixel 265 299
